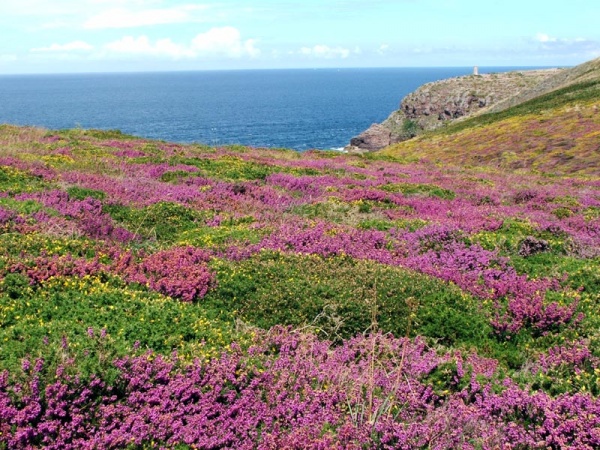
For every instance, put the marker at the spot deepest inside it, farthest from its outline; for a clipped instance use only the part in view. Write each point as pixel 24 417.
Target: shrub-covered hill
pixel 156 295
pixel 552 128
pixel 582 74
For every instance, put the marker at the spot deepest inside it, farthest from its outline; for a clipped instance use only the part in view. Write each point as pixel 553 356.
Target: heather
pixel 156 295
pixel 555 132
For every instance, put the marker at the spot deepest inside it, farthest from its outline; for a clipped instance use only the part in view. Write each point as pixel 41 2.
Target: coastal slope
pixel 553 127
pixel 438 103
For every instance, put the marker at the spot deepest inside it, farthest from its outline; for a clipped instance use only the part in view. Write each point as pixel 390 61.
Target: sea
pixel 299 109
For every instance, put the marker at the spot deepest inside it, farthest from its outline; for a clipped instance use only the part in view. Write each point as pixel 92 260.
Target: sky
pixel 78 36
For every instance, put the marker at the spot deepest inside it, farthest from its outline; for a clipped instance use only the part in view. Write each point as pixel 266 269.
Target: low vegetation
pixel 552 128
pixel 155 295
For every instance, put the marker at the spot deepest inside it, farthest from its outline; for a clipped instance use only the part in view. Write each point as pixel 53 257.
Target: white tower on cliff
pixel 475 70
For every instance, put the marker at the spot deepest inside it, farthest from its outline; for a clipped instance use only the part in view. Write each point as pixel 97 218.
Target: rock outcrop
pixel 374 138
pixel 436 103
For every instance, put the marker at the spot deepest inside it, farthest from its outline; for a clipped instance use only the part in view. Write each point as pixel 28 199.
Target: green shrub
pixel 410 128
pixel 428 190
pixel 67 307
pixel 15 181
pixel 341 297
pixel 222 236
pixel 563 212
pixel 176 176
pixel 15 285
pixel 22 206
pixel 33 244
pixel 228 168
pixel 98 134
pixel 162 221
pixel 79 193
pixel 332 210
pixel 385 225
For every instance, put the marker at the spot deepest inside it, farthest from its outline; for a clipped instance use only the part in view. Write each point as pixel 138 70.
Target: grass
pixel 527 141
pixel 584 93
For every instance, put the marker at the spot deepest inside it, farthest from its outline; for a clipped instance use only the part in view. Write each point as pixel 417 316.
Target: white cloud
pixel 326 52
pixel 383 48
pixel 143 46
pixel 225 41
pixel 542 37
pixel 124 18
pixel 560 46
pixel 75 46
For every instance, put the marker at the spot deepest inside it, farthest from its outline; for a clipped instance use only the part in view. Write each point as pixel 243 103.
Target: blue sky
pixel 58 36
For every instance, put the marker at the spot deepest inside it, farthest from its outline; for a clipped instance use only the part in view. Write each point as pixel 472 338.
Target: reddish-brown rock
pixel 435 103
pixel 375 137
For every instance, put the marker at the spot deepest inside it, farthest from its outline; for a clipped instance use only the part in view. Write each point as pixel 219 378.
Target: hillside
pixel 435 104
pixel 588 72
pixel 552 128
pixel 159 295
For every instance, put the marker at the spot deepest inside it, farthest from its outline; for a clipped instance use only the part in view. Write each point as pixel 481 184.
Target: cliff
pixel 552 128
pixel 440 102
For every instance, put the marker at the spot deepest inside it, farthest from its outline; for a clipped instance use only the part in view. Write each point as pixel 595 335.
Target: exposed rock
pixel 374 138
pixel 434 104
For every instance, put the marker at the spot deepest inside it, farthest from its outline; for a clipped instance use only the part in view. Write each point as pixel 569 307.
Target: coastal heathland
pixel 158 295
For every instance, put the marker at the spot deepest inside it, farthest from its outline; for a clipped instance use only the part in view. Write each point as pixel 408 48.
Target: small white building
pixel 475 70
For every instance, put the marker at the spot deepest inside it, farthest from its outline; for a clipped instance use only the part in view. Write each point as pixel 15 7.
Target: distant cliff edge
pixel 436 103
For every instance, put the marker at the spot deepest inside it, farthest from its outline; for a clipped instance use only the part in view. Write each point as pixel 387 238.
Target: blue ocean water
pixel 298 109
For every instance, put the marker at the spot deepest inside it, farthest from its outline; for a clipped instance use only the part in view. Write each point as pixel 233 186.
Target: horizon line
pixel 155 71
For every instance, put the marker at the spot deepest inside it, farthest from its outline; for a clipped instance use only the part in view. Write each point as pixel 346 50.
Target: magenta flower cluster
pixel 179 272
pixel 41 268
pixel 289 390
pixel 87 214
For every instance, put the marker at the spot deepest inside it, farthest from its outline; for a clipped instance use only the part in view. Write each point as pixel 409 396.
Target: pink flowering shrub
pixel 576 354
pixel 87 214
pixel 179 272
pixel 41 268
pixel 498 270
pixel 289 390
pixel 5 216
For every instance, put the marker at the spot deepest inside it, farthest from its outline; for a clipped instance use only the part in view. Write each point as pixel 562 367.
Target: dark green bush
pixel 341 297
pixel 79 193
pixel 162 221
pixel 14 285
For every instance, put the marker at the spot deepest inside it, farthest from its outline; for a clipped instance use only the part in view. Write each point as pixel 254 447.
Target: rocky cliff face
pixel 435 103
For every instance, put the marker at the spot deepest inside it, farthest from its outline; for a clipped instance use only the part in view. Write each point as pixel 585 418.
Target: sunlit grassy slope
pixel 554 128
